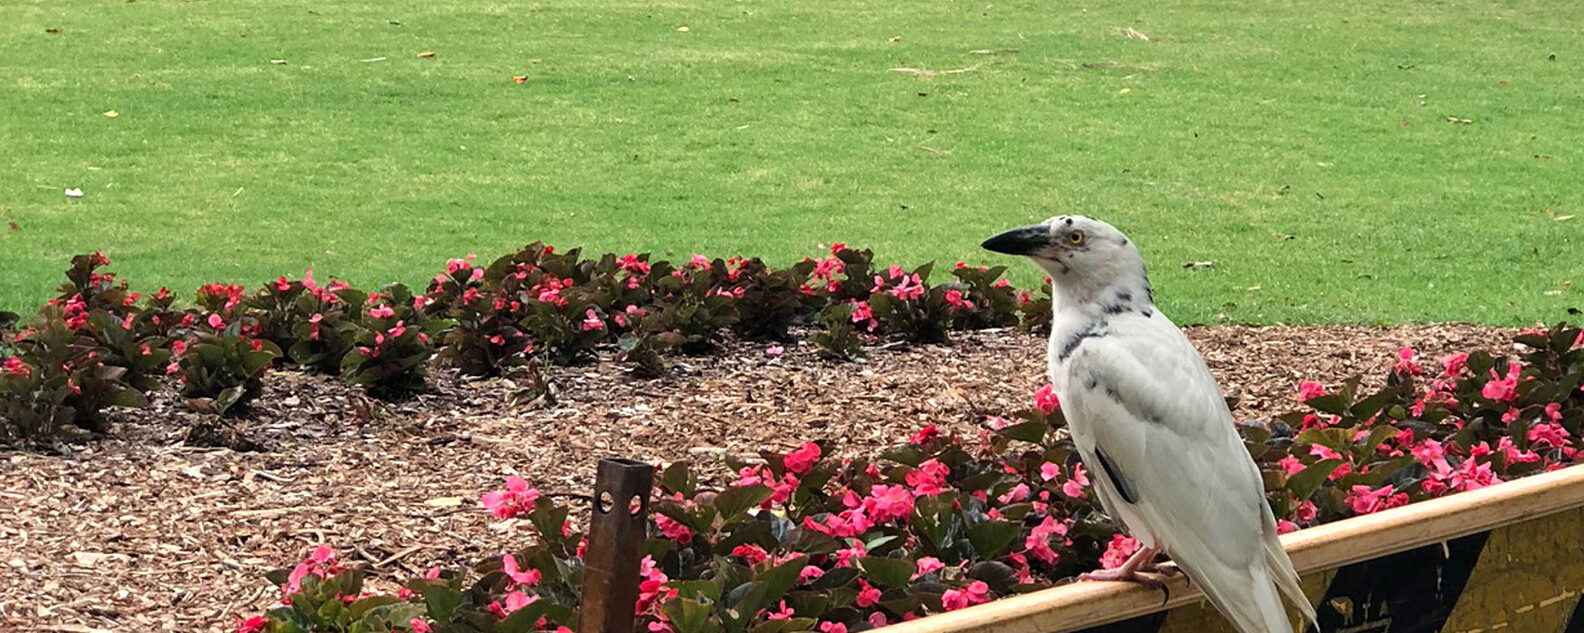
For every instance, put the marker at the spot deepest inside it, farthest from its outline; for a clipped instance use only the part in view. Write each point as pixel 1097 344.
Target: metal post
pixel 616 537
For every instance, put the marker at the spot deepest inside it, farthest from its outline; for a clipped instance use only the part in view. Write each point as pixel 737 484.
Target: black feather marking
pixel 1124 241
pixel 1091 380
pixel 1093 331
pixel 1115 308
pixel 1147 312
pixel 1069 222
pixel 1124 296
pixel 1122 485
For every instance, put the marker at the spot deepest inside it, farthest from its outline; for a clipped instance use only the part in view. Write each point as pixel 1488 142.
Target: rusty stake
pixel 615 542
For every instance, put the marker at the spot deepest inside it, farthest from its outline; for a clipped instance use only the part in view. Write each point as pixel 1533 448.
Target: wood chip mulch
pixel 141 532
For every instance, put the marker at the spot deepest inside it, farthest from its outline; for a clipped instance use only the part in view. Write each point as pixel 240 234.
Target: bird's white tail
pixel 1280 566
pixel 1249 598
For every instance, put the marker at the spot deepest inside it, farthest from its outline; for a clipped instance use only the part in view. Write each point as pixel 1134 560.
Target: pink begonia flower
pixel 924 435
pixel 382 312
pixel 888 503
pixel 1308 390
pixel 782 613
pixel 774 351
pixel 928 565
pixel 1405 363
pixel 954 298
pixel 418 626
pixel 1553 412
pixel 868 596
pixel 832 627
pixel 673 530
pixel 998 423
pixel 751 554
pixel 1453 365
pixel 1038 541
pixel 1284 526
pixel 1366 501
pixel 1513 455
pixel 215 321
pixel 15 367
pixel 1118 551
pixel 1550 434
pixel 517 498
pixel 1017 494
pixel 802 460
pixel 1049 471
pixel 1502 389
pixel 1073 487
pixel 1291 465
pixel 519 576
pixel 592 322
pixel 929 479
pixel 862 313
pixel 1045 399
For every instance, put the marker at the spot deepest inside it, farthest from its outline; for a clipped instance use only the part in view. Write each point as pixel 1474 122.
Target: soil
pixel 140 531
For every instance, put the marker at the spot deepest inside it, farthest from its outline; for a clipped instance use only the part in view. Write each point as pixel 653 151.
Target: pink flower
pixel 1405 363
pixel 774 351
pixel 1038 542
pixel 1017 494
pixel 802 460
pixel 837 248
pixel 1366 501
pixel 1550 434
pixel 862 313
pixel 1553 411
pixel 1073 488
pixel 929 478
pixel 255 624
pixel 1453 365
pixel 592 322
pixel 954 298
pixel 517 498
pixel 887 503
pixel 911 287
pixel 699 261
pixel 673 529
pixel 782 613
pixel 867 596
pixel 924 435
pixel 1308 390
pixel 832 627
pixel 877 619
pixel 418 626
pixel 216 322
pixel 519 576
pixel 928 565
pixel 1118 551
pixel 1045 399
pixel 1291 465
pixel 1049 471
pixel 750 553
pixel 1307 511
pixel 1502 389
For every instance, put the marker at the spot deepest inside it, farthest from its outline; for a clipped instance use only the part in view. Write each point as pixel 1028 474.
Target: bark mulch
pixel 140 531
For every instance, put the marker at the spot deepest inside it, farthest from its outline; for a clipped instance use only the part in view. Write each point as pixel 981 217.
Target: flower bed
pixel 800 541
pixel 939 523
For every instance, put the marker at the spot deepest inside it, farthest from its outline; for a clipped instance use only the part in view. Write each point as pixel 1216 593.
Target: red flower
pixel 1308 390
pixel 802 460
pixel 418 626
pixel 954 298
pixel 673 530
pixel 592 322
pixel 886 503
pixel 1405 363
pixel 216 322
pixel 382 312
pixel 15 367
pixel 924 435
pixel 1366 501
pixel 837 248
pixel 519 576
pixel 254 624
pixel 867 596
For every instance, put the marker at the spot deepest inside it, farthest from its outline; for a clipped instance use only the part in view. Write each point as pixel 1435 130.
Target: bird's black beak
pixel 1023 241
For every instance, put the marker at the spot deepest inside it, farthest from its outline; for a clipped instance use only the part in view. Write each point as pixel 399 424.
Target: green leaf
pixel 689 616
pixel 990 538
pixel 128 398
pixel 1306 482
pixel 1032 432
pixel 732 503
pixel 677 478
pixel 888 572
pixel 836 578
pixel 441 600
pixel 357 609
pixel 1329 403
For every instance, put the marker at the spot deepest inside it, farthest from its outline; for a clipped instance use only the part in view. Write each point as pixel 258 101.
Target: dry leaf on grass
pixel 925 72
pixel 426 54
pixel 1129 33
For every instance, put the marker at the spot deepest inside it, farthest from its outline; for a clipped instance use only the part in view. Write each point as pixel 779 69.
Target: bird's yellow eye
pixel 1076 238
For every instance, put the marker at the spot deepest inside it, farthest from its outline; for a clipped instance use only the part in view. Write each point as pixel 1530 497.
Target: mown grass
pixel 774 127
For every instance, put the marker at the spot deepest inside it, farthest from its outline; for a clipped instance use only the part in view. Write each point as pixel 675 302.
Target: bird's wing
pixel 1153 413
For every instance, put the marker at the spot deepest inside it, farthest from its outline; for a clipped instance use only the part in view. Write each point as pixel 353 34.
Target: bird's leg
pixel 1141 561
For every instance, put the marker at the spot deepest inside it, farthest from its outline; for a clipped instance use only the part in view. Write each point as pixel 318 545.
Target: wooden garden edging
pixel 1505 559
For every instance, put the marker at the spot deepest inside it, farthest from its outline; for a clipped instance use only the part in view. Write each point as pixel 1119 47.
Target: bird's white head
pixel 1084 256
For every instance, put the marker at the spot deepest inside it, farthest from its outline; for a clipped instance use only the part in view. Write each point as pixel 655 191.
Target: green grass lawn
pixel 772 127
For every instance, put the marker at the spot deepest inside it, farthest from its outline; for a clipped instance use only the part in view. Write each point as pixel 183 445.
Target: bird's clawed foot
pixel 1140 563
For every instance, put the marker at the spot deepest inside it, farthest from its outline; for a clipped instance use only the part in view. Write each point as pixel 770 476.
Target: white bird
pixel 1145 413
